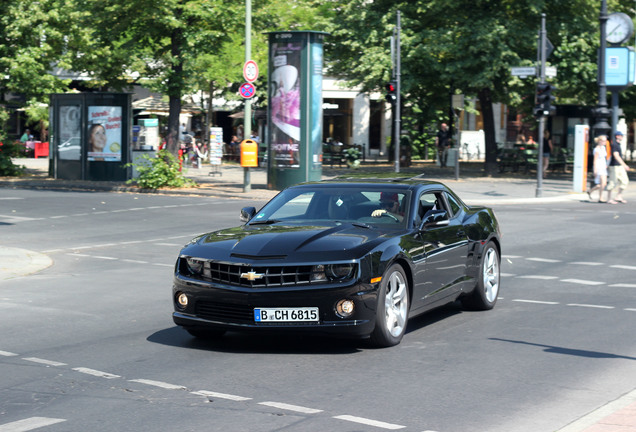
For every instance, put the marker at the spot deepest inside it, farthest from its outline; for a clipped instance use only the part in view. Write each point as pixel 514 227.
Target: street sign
pixel 550 71
pixel 523 71
pixel 247 90
pixel 250 71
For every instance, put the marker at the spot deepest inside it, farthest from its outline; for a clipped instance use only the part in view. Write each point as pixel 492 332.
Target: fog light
pixel 182 300
pixel 344 308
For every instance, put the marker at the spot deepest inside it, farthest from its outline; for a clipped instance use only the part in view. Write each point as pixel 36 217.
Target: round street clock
pixel 619 28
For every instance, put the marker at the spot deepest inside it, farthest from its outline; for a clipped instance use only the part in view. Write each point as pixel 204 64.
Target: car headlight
pixel 194 265
pixel 339 271
pixel 331 272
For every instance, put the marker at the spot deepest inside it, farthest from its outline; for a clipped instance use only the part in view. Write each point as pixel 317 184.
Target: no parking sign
pixel 247 90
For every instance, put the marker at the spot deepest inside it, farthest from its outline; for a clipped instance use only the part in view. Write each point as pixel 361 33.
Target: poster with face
pixel 104 133
pixel 285 103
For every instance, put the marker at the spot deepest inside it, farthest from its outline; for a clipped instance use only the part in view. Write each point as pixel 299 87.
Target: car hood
pixel 339 242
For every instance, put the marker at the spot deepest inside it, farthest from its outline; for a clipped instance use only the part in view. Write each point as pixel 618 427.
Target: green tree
pixel 467 46
pixel 35 40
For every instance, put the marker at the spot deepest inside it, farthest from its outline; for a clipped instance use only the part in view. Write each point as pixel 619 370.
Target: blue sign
pixel 619 67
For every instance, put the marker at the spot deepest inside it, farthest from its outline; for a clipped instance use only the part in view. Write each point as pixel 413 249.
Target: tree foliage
pixel 468 47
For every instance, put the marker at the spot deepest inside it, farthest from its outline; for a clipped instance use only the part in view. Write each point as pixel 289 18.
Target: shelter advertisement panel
pixel 70 118
pixel 104 133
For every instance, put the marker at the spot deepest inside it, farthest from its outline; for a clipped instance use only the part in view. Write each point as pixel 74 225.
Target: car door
pixel 445 247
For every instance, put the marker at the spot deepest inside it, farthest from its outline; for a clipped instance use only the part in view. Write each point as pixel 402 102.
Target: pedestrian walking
pixel 443 142
pixel 600 167
pixel 618 178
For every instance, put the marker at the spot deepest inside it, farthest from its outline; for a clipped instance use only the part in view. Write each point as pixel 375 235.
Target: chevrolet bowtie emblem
pixel 252 275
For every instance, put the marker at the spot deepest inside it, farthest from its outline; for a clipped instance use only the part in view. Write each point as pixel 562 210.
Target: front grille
pixel 263 277
pixel 258 276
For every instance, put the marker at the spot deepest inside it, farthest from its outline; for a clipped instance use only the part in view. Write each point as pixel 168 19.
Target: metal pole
pixel 542 37
pixel 601 127
pixel 396 126
pixel 247 112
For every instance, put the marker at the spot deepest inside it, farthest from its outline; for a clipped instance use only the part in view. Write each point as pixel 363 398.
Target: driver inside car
pixel 390 205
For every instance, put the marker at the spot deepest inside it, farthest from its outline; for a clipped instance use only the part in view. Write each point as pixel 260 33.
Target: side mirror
pixel 247 213
pixel 435 218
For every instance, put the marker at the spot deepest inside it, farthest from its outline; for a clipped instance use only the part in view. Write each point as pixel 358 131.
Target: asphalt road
pixel 89 344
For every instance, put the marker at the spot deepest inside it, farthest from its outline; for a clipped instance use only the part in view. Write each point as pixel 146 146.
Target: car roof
pixel 389 183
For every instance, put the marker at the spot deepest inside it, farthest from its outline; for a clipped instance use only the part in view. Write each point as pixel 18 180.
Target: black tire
pixel 392 310
pixel 205 333
pixel 484 296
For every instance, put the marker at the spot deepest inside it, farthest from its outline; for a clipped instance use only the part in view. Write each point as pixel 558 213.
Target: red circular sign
pixel 247 90
pixel 250 71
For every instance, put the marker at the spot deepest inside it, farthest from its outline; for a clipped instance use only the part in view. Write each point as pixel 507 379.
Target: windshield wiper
pixel 361 224
pixel 264 222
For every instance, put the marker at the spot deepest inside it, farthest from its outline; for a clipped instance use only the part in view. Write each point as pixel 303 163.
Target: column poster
pixel 104 133
pixel 285 103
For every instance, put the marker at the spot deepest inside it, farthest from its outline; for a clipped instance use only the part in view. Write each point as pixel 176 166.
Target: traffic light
pixel 391 92
pixel 544 100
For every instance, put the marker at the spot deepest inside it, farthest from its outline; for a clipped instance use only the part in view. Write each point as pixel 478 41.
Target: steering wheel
pixel 389 215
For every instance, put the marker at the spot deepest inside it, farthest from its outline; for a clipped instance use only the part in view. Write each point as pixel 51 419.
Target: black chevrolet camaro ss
pixel 341 258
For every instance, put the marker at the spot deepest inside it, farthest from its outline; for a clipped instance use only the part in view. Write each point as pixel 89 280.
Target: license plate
pixel 298 314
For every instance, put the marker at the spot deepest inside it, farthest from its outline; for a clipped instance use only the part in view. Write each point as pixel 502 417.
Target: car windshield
pixel 371 205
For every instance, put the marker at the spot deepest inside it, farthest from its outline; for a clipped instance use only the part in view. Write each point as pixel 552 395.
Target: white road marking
pixel 507 274
pixel 11 198
pixel 623 267
pixel 220 395
pixel 159 384
pixel 135 261
pixel 623 285
pixel 289 407
pixel 29 424
pixel 585 263
pixel 590 306
pixel 535 301
pixel 582 282
pixel 545 260
pixel 369 422
pixel 163 265
pixel 168 244
pixel 7 354
pixel 541 277
pixel 630 309
pixel 104 257
pixel 96 373
pixel 511 256
pixel 44 361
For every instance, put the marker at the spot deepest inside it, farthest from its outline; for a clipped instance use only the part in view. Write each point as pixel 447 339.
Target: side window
pixel 453 204
pixel 426 203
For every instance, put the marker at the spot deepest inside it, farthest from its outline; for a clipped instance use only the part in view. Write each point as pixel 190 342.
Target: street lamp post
pixel 601 112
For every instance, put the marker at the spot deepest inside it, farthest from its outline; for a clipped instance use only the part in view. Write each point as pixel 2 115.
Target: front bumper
pixel 230 308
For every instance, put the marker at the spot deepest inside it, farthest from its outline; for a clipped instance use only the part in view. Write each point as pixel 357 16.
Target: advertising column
pixel 295 108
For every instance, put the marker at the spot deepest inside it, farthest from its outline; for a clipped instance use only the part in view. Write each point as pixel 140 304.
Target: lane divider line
pixel 368 422
pixel 289 407
pixel 44 361
pixel 211 394
pixel 160 384
pixel 29 424
pixel 96 373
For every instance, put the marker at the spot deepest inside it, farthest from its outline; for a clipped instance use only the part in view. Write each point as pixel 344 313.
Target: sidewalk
pixel 472 186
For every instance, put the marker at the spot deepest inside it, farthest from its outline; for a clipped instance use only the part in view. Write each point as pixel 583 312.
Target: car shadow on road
pixel 256 343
